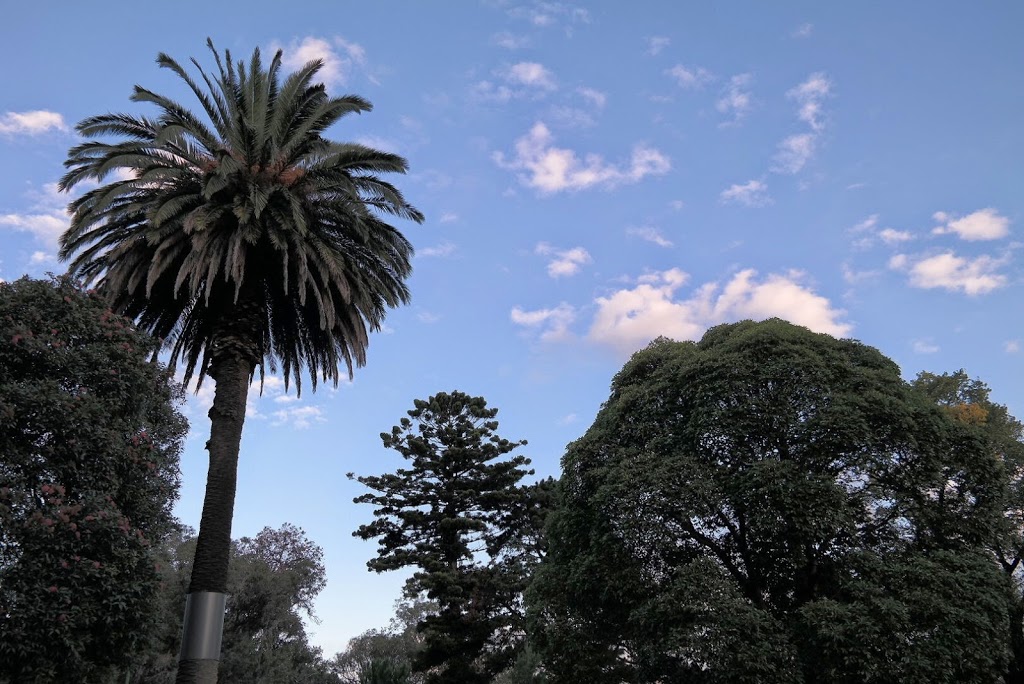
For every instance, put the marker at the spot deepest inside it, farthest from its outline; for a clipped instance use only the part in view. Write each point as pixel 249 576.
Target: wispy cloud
pixel 444 249
pixel 298 417
pixel 448 217
pixel 549 169
pixel 510 41
pixel 340 57
pixel 803 31
pixel 753 193
pixel 31 123
pixel 810 95
pixel 630 317
pixel 649 234
pixel 925 347
pixel 551 324
pixel 890 236
pixel 948 271
pixel 564 262
pixel 796 150
pixel 551 14
pixel 656 44
pixel 1011 346
pixel 531 74
pixel 691 78
pixel 522 80
pixel 984 224
pixel 736 99
pixel 46 220
pixel 593 96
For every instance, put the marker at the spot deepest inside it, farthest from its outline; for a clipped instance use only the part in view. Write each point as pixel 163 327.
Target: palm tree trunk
pixel 204 612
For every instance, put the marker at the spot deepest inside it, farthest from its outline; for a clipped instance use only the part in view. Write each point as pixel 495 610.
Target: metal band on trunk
pixel 204 625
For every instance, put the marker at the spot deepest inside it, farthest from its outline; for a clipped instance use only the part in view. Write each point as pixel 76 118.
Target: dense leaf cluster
pixel 89 441
pixel 459 516
pixel 772 505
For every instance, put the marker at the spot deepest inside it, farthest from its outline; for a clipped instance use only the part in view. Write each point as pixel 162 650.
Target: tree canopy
pixel 90 435
pixel 772 505
pixel 457 514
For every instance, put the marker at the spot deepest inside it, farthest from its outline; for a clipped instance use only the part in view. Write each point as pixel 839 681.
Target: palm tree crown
pixel 257 237
pixel 247 242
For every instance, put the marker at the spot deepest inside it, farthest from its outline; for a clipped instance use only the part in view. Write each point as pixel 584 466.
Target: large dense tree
pixel 89 442
pixel 457 514
pixel 968 401
pixel 772 505
pixel 246 240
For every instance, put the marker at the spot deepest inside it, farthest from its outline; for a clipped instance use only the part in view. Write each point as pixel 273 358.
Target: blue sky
pixel 593 175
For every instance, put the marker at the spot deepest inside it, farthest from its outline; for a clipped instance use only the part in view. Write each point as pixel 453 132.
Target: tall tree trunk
pixel 204 613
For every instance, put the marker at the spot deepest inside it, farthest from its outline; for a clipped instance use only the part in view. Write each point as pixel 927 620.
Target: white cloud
pixel 950 272
pixel 340 57
pixel 809 95
pixel 925 347
pixel 522 80
pixel 531 74
pixel 567 419
pixel 566 262
pixel 41 258
pixel 442 250
pixel 448 217
pixel 753 193
pixel 736 99
pixel 677 205
pixel 427 317
pixel 45 227
pixel 867 224
pixel 891 236
pixel 550 14
pixel 593 96
pixel 853 277
pixel 571 117
pixel 510 41
pixel 803 31
pixel 31 123
pixel 551 169
pixel 690 78
pixel 794 152
pixel 298 417
pixel 1012 346
pixel 379 143
pixel 984 224
pixel 650 235
pixel 656 44
pixel 553 323
pixel 629 318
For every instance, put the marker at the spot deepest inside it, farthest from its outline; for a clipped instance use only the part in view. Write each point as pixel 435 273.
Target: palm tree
pixel 248 241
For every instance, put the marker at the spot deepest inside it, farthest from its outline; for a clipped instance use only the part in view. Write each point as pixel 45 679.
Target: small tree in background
pixel 90 437
pixel 275 579
pixel 456 514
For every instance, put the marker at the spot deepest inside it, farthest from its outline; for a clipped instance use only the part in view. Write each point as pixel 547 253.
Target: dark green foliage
pixel 89 441
pixel 246 234
pixel 385 672
pixel 397 645
pixel 771 505
pixel 458 515
pixel 967 401
pixel 275 578
pixel 243 238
